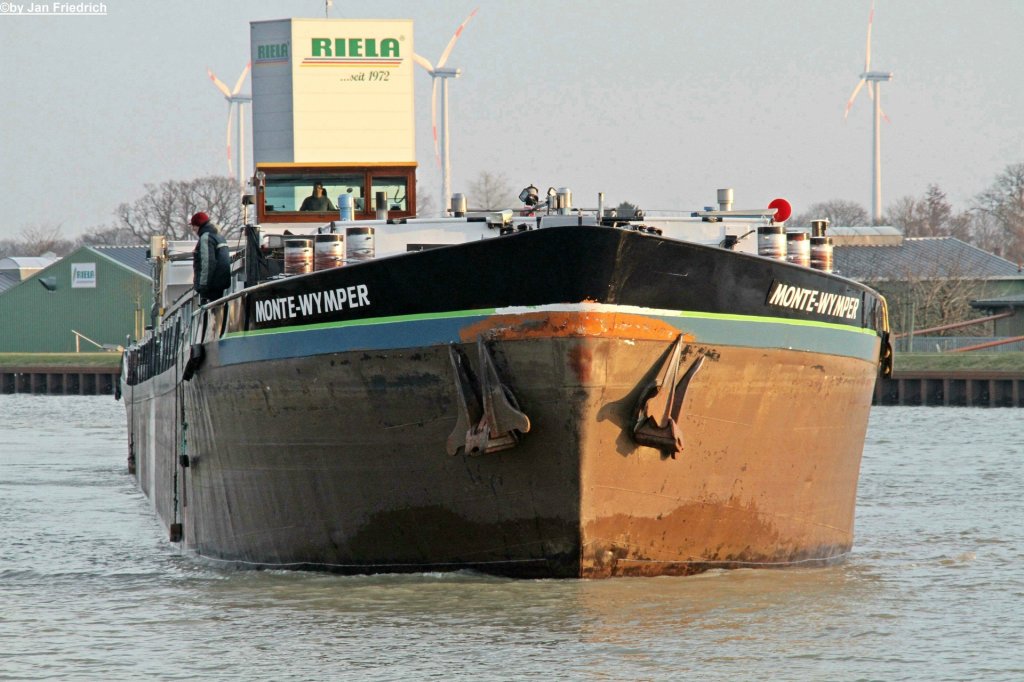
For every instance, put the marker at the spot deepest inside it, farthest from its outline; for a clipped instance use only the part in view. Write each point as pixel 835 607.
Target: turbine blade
pixel 849 102
pixel 241 79
pixel 433 122
pixel 231 170
pixel 219 83
pixel 424 62
pixel 867 52
pixel 871 94
pixel 451 43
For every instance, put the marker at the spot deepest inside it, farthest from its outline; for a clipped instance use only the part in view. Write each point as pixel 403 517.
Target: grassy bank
pixel 951 362
pixel 100 360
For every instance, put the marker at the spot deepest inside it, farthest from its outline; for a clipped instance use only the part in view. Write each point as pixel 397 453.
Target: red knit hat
pixel 200 219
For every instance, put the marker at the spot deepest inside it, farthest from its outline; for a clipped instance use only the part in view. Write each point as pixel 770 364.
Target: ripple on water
pixel 90 589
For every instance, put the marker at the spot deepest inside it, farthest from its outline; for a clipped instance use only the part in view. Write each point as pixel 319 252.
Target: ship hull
pixel 342 446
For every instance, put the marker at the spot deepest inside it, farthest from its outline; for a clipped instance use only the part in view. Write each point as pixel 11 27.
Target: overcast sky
pixel 657 103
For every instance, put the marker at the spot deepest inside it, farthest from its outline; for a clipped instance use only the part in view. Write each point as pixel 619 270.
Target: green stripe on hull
pixel 411 331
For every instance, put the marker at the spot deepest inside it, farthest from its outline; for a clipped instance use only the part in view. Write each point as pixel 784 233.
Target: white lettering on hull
pixel 813 301
pixel 299 306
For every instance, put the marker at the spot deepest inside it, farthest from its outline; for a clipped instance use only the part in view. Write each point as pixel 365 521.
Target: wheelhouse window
pixel 311 192
pixel 396 192
pixel 290 193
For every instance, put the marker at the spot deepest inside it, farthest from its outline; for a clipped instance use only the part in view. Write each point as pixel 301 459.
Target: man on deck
pixel 211 262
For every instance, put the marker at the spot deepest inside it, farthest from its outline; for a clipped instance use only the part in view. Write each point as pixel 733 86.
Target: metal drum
pixel 771 242
pixel 798 249
pixel 821 253
pixel 298 256
pixel 329 251
pixel 359 244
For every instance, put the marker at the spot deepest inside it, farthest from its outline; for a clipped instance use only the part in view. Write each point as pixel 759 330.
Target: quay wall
pixel 945 387
pixel 59 380
pixel 965 388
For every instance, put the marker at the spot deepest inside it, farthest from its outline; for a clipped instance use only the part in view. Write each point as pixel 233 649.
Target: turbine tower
pixel 236 105
pixel 439 72
pixel 874 80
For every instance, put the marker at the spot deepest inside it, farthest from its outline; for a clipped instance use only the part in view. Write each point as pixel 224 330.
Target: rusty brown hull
pixel 354 476
pixel 767 477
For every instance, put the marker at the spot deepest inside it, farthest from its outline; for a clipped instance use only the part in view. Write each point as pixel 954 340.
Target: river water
pixel 934 590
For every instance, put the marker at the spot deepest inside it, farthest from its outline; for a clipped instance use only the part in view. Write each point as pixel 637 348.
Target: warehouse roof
pixel 922 258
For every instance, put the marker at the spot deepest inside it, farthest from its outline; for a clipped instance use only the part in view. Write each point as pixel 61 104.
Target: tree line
pixel 994 220
pixel 163 209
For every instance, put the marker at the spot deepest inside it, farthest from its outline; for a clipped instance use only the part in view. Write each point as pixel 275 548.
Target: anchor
pixel 489 417
pixel 660 403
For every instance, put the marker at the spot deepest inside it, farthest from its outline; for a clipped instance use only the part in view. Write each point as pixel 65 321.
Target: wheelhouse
pixel 282 188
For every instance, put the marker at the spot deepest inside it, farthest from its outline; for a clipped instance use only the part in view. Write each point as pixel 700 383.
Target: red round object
pixel 784 210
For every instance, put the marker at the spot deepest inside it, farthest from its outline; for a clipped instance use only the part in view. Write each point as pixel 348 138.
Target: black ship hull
pixel 565 402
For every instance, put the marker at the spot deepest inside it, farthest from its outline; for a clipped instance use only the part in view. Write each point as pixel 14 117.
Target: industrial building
pixel 94 299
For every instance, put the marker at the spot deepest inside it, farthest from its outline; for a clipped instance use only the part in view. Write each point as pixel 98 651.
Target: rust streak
pixel 572 324
pixel 732 507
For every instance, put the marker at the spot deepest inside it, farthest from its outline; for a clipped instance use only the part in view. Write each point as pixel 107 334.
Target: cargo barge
pixel 543 391
pixel 580 398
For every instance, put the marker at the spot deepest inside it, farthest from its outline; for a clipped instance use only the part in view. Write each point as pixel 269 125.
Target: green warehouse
pixel 95 298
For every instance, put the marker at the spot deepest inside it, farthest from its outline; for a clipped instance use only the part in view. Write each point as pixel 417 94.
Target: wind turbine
pixel 439 72
pixel 236 102
pixel 874 80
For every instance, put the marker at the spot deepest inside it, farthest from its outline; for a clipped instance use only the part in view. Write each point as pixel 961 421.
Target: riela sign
pixel 83 275
pixel 333 91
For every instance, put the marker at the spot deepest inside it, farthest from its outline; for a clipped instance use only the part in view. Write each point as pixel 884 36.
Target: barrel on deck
pixel 798 249
pixel 359 244
pixel 821 246
pixel 771 242
pixel 329 251
pixel 821 253
pixel 298 256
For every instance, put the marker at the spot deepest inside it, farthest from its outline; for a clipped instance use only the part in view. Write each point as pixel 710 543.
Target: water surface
pixel 934 589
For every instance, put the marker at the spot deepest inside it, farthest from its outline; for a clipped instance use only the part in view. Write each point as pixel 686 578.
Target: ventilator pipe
pixel 564 195
pixel 346 207
pixel 459 205
pixel 725 199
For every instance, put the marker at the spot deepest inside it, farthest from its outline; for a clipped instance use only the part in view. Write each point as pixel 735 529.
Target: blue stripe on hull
pixel 393 335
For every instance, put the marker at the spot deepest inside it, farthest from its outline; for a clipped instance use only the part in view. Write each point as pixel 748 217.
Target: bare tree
pixel 165 209
pixel 36 240
pixel 931 294
pixel 986 233
pixel 1003 204
pixel 424 201
pixel 491 192
pixel 929 216
pixel 626 209
pixel 8 247
pixel 837 211
pixel 902 213
pixel 109 235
